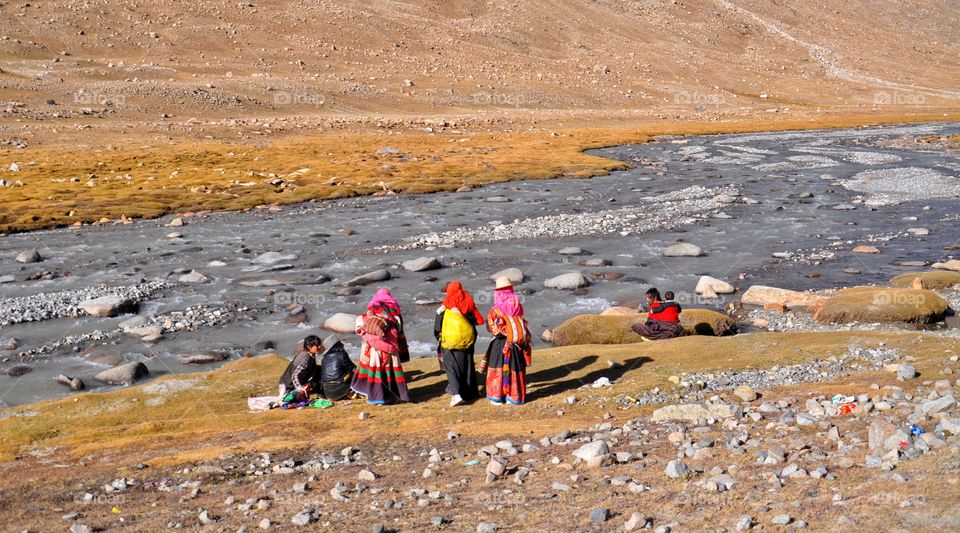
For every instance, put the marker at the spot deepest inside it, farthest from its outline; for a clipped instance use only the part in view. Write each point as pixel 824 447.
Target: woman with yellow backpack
pixel 455 327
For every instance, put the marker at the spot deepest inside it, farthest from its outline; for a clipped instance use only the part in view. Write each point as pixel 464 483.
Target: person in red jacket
pixel 663 320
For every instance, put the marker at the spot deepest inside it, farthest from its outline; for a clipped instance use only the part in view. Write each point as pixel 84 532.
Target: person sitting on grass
pixel 301 375
pixel 336 369
pixel 663 320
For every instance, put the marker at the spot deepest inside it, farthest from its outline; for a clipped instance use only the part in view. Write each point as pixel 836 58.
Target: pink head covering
pixel 507 302
pixel 383 297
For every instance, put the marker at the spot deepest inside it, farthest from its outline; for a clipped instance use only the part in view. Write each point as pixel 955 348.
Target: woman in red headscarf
pixel 455 328
pixel 509 353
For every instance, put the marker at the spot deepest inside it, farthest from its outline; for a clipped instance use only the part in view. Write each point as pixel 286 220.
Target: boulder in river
pixel 9 343
pixel 109 305
pixel 341 323
pixel 16 371
pixel 8 278
pixel 515 275
pixel 75 384
pixel 272 258
pixel 193 277
pixel 345 291
pixel 571 250
pixel 147 334
pixel 422 264
pixel 125 374
pixel 296 315
pixel 370 277
pixel 953 264
pixel 683 249
pixel 866 249
pixel 202 358
pixel 132 323
pixel 706 284
pixel 761 295
pixel 29 256
pixel 568 281
pixel 103 354
pixel 595 262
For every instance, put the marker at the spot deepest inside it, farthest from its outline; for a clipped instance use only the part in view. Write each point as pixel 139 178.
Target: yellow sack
pixel 456 332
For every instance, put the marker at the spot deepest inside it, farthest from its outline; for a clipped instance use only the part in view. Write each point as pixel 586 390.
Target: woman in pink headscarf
pixel 379 375
pixel 384 304
pixel 508 355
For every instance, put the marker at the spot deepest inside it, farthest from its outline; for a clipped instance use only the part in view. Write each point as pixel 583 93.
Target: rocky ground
pixel 81 72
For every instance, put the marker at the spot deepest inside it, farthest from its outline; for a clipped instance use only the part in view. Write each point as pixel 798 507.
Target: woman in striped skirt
pixel 379 375
pixel 508 355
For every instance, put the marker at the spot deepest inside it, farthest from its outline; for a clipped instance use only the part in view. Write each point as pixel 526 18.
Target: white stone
pixel 683 249
pixel 568 281
pixel 341 323
pixel 717 286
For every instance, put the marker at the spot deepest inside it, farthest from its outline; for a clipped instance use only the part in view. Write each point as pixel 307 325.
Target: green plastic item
pixel 321 403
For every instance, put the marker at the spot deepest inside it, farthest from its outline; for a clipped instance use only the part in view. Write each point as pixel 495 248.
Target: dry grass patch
pixel 879 304
pixel 210 416
pixel 930 280
pixel 67 186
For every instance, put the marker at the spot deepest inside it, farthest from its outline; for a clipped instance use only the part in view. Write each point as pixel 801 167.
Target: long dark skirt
pixel 461 374
pixel 658 330
pixel 335 390
pixel 506 379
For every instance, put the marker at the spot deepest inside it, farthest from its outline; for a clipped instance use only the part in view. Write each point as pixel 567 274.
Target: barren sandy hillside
pixel 159 64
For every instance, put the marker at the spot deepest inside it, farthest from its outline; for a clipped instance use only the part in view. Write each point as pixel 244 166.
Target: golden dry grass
pixel 880 304
pixel 615 329
pixel 208 416
pixel 931 280
pixel 138 181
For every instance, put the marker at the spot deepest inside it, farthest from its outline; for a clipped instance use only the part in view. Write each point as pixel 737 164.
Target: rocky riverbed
pixel 783 209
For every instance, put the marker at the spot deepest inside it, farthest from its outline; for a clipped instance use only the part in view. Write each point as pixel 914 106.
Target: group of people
pixel 378 375
pixel 501 373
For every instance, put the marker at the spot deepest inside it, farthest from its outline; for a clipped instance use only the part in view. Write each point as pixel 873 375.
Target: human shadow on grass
pixel 560 387
pixel 426 393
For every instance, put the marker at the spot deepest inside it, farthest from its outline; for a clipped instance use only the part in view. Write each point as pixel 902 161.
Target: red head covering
pixel 459 299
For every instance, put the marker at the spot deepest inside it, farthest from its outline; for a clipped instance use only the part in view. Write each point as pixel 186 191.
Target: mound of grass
pixel 597 329
pixel 881 304
pixel 707 322
pixel 615 328
pixel 931 280
pixel 620 311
